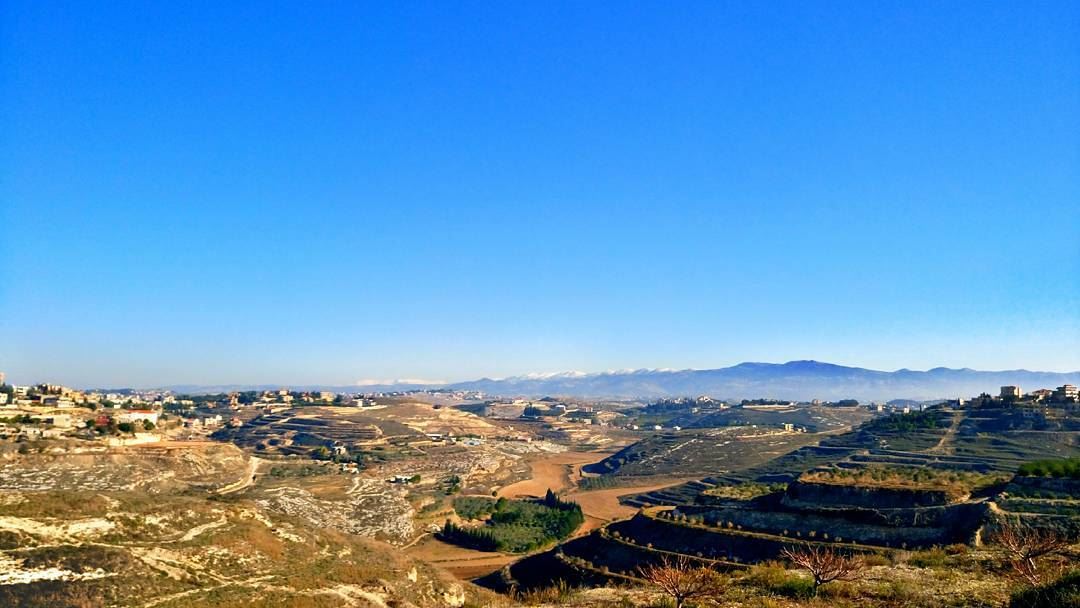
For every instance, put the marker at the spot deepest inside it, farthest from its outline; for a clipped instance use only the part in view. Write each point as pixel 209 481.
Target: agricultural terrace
pixel 955 483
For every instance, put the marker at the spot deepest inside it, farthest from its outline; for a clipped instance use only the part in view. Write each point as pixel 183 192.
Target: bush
pixel 839 589
pixel 776 579
pixel 1066 467
pixel 875 559
pixel 902 593
pixel 1062 593
pixel 930 558
pixel 957 549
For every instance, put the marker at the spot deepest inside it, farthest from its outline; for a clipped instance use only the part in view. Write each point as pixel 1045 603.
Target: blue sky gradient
pixel 322 193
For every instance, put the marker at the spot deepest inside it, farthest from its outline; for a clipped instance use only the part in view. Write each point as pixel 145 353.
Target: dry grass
pixel 955 483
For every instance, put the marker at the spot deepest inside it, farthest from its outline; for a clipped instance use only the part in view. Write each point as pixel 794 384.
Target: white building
pixel 63 421
pixel 139 416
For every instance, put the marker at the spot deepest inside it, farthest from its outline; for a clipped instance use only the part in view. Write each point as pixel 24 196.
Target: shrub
pixel 775 578
pixel 839 589
pixel 875 559
pixel 902 593
pixel 957 549
pixel 825 565
pixel 1067 467
pixel 1061 593
pixel 930 558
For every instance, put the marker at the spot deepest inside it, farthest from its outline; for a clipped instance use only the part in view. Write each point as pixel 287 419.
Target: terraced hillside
pixel 727 440
pixel 813 418
pixel 299 430
pixel 962 440
pixel 906 483
pixel 690 452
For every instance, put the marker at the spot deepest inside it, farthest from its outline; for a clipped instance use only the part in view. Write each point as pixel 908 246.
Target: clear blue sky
pixel 327 192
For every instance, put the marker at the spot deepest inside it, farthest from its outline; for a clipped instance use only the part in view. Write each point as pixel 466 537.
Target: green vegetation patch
pixel 514 526
pixel 745 491
pixel 906 423
pixel 1065 467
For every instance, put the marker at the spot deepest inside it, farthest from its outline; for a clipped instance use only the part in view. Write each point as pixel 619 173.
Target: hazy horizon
pixel 537 375
pixel 218 194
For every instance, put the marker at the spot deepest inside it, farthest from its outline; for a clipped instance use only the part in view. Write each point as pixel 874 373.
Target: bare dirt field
pixel 602 506
pixel 463 563
pixel 560 472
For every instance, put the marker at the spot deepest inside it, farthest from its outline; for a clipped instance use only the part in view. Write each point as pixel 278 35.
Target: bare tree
pixel 1025 548
pixel 683 580
pixel 825 564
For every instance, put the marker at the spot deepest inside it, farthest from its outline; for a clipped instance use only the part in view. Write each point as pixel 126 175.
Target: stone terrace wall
pixel 1056 485
pixel 907 527
pixel 804 494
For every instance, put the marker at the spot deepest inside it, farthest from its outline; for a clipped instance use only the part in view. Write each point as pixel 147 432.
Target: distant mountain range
pixel 798 380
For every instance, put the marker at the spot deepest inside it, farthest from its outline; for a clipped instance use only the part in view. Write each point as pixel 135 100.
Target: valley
pixel 349 505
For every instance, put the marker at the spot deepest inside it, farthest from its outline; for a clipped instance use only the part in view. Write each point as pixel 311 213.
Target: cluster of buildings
pixel 1062 402
pixel 1065 395
pixel 46 411
pixel 58 396
pixel 282 398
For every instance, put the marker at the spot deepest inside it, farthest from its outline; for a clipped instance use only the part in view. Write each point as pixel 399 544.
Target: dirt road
pixel 246 481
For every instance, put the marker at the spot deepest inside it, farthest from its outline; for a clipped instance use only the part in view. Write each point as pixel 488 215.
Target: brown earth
pixel 560 472
pixel 465 564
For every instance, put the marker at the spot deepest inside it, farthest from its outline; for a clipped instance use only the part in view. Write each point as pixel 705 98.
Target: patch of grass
pixel 474 507
pixel 930 558
pixel 745 491
pixel 774 578
pixel 58 504
pixel 956 483
pixel 559 593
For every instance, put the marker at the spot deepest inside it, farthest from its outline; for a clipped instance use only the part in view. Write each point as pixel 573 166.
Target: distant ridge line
pixel 797 380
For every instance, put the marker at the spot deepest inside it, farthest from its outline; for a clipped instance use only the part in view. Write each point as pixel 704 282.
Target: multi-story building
pixel 1041 394
pixel 1067 392
pixel 1010 393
